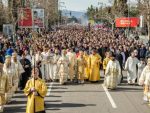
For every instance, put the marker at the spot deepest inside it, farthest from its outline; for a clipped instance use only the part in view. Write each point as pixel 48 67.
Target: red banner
pixel 127 22
pixel 25 17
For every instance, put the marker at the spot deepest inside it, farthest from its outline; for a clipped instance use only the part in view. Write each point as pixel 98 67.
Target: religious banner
pixel 25 17
pixel 127 22
pixel 38 18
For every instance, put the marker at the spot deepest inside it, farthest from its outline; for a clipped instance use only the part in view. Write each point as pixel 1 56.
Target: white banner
pixel 8 29
pixel 38 18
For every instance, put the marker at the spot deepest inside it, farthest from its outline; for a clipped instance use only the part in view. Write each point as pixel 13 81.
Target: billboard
pixel 127 22
pixel 8 29
pixel 25 17
pixel 38 18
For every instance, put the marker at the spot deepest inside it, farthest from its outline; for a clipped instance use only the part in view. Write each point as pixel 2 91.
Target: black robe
pixel 25 76
pixel 119 57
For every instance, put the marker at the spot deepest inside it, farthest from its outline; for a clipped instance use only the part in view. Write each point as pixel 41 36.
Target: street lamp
pixel 101 8
pixel 129 17
pixel 60 6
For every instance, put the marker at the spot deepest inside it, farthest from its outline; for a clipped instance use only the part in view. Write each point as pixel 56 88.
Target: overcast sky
pixel 82 5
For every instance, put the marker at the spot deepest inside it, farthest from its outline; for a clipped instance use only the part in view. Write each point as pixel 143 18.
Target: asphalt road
pixel 86 98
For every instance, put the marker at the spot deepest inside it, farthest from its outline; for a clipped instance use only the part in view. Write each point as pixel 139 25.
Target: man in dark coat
pixel 27 67
pixel 119 57
pixel 142 52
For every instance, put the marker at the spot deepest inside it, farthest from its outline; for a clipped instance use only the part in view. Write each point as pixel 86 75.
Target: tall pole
pixel 34 81
pixel 46 12
pixel 148 19
pixel 60 11
pixel 129 18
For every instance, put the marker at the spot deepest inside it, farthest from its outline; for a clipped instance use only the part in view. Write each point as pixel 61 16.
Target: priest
pixel 131 67
pixel 18 70
pixel 81 63
pixel 27 71
pixel 95 61
pixel 86 70
pixel 72 61
pixel 113 73
pixel 4 87
pixel 35 90
pixel 55 58
pixel 9 71
pixel 106 60
pixel 63 64
pixel 145 81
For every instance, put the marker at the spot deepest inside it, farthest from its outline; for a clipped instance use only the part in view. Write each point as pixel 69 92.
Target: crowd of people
pixel 72 55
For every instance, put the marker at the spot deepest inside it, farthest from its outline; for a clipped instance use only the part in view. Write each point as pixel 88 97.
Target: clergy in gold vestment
pixel 63 63
pixel 113 73
pixel 95 60
pixel 4 87
pixel 145 80
pixel 35 90
pixel 106 60
pixel 81 67
pixel 72 60
pixel 18 71
pixel 87 70
pixel 9 70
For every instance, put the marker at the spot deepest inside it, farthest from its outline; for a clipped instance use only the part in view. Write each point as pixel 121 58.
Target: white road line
pixel 49 89
pixel 109 97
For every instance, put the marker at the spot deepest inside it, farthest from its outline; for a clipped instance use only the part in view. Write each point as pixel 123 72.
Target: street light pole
pixel 60 11
pixel 128 18
pixel 46 13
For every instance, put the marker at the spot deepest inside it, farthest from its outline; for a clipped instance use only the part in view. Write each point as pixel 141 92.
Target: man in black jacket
pixel 119 57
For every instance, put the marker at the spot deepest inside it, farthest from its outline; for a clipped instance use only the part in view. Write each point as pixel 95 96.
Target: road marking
pixel 49 89
pixel 109 97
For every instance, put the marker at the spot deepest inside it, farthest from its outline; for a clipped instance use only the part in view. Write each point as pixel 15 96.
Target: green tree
pixel 91 12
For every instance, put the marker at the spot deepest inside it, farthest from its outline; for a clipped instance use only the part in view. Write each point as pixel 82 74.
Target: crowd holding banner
pixel 71 55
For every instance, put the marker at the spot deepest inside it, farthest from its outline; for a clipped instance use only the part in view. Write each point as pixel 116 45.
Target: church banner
pixel 127 22
pixel 25 17
pixel 38 18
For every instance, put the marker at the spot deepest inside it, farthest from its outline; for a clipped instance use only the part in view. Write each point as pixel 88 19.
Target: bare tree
pixel 3 16
pixel 144 7
pixel 11 15
pixel 51 10
pixel 120 8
